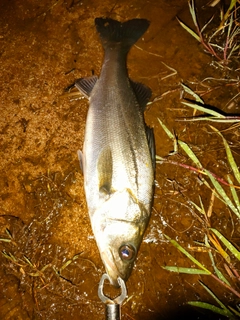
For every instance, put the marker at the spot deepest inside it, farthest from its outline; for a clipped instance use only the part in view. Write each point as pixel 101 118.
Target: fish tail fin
pixel 125 34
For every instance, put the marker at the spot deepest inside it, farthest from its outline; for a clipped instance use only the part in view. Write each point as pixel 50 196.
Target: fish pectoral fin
pixel 105 168
pixel 85 85
pixel 142 92
pixel 151 145
pixel 80 158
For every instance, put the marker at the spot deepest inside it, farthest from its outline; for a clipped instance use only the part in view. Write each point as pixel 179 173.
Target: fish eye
pixel 127 252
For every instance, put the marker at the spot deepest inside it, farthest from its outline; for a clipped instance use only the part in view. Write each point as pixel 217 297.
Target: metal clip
pixel 112 307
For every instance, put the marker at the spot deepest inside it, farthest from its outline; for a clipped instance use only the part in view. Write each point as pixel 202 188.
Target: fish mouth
pixel 111 269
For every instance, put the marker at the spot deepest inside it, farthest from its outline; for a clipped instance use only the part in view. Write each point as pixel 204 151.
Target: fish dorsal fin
pixel 85 85
pixel 142 92
pixel 105 168
pixel 151 145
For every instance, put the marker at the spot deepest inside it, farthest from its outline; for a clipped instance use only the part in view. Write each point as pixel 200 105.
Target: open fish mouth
pixel 111 268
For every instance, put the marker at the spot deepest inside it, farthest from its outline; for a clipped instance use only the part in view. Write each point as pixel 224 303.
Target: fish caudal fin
pixel 126 34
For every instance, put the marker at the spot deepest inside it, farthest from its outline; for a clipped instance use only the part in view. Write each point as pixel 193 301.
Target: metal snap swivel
pixel 112 306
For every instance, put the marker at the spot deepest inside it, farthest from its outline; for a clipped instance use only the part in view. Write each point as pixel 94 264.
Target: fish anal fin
pixel 80 158
pixel 142 92
pixel 85 85
pixel 151 145
pixel 105 168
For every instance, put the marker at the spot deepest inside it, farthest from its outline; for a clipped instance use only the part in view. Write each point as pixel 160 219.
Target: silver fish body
pixel 118 153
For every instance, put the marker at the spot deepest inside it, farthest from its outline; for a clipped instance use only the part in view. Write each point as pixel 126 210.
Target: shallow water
pixel 50 266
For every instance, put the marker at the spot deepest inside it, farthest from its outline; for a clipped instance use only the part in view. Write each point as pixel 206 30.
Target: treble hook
pixel 112 307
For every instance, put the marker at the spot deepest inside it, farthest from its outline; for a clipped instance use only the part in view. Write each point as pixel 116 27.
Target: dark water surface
pixel 50 267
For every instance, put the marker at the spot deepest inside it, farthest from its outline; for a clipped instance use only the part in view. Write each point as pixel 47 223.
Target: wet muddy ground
pixel 50 266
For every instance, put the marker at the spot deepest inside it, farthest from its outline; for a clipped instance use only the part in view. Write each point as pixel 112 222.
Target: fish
pixel 118 156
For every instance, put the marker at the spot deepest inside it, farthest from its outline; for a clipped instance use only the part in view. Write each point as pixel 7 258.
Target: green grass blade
pixel 203 109
pixel 190 153
pixel 192 93
pixel 192 11
pixel 9 256
pixel 182 144
pixel 28 261
pixel 217 271
pixel 234 48
pixel 201 210
pixel 159 159
pixel 189 30
pixel 227 312
pixel 5 240
pixel 234 193
pixel 222 193
pixel 185 270
pixel 233 119
pixel 45 267
pixel 206 24
pixel 36 274
pixel 226 15
pixel 168 132
pixel 232 4
pixel 235 312
pixel 228 244
pixel 230 26
pixel 231 160
pixel 215 119
pixel 202 206
pixel 65 265
pixel 211 307
pixel 187 254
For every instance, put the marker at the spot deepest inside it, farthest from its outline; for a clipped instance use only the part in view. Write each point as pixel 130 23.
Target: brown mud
pixel 49 266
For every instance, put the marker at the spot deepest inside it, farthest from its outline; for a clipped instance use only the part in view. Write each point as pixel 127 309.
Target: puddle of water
pixel 50 266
